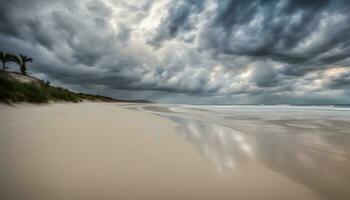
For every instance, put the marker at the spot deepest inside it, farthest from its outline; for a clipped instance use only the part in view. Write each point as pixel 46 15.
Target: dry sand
pixel 101 151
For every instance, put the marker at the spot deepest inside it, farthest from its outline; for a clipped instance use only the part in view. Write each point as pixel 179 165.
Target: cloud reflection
pixel 308 156
pixel 309 145
pixel 225 147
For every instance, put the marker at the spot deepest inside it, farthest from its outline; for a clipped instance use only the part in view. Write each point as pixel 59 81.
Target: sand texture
pixel 102 151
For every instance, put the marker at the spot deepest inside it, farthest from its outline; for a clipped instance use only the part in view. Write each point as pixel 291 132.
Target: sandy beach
pixel 174 100
pixel 107 151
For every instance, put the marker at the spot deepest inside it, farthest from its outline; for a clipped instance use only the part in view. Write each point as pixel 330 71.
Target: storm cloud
pixel 187 51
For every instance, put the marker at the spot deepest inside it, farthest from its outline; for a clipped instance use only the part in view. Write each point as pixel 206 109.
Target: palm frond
pixel 8 57
pixel 29 59
pixel 15 59
pixel 23 57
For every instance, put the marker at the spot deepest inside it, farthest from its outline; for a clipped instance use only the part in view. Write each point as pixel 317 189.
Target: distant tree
pixel 6 57
pixel 22 61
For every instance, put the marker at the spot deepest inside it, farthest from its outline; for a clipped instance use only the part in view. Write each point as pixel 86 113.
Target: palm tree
pixel 6 57
pixel 21 61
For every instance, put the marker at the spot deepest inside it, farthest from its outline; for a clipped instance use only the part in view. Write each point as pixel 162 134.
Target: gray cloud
pixel 197 51
pixel 179 19
pixel 294 32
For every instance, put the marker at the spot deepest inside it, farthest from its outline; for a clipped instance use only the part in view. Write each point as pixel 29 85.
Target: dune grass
pixel 13 91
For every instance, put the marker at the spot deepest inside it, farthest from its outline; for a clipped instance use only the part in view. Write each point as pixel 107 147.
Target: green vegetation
pixel 6 57
pixel 33 90
pixel 13 90
pixel 21 60
pixel 15 87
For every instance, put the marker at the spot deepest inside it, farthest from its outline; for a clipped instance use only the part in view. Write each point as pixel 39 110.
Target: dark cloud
pixel 295 32
pixel 179 19
pixel 202 51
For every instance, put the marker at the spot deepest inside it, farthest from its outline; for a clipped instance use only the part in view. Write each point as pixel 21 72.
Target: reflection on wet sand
pixel 223 146
pixel 313 152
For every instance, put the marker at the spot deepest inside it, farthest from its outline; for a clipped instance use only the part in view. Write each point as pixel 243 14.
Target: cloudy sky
pixel 187 51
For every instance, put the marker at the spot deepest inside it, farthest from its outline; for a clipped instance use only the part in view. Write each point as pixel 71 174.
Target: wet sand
pixel 307 144
pixel 103 151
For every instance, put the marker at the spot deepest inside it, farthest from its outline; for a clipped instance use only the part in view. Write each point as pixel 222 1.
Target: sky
pixel 187 51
